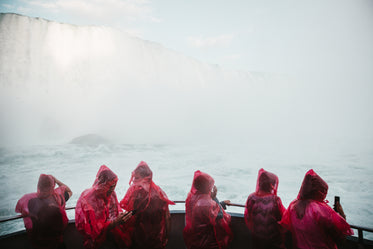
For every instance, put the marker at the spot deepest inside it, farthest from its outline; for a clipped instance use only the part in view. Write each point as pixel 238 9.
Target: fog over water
pixel 61 81
pixel 65 81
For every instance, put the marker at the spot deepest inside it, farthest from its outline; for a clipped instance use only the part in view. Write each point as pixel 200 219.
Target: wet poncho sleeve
pixel 333 222
pixel 22 207
pixel 63 194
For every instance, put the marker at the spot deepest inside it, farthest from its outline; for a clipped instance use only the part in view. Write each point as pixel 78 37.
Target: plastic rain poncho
pixel 264 211
pixel 44 213
pixel 96 208
pixel 148 227
pixel 203 229
pixel 312 222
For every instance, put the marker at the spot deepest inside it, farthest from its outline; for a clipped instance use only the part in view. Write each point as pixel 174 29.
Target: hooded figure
pixel 97 211
pixel 264 211
pixel 312 222
pixel 150 224
pixel 44 212
pixel 203 228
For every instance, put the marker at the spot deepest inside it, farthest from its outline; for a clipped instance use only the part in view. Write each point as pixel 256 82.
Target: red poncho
pixel 264 211
pixel 202 228
pixel 148 227
pixel 96 208
pixel 44 213
pixel 312 222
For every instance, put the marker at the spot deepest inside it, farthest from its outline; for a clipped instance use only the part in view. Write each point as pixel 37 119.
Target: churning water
pixel 234 169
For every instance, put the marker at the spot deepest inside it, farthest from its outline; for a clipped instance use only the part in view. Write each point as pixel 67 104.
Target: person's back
pixel 150 221
pixel 46 211
pixel 266 213
pixel 149 226
pixel 263 212
pixel 317 229
pixel 312 222
pixel 203 228
pixel 203 231
pixel 47 219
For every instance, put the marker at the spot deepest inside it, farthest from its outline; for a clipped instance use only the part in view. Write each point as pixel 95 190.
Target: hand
pixel 121 219
pixel 127 217
pixel 339 209
pixel 124 217
pixel 214 192
pixel 227 202
pixel 56 180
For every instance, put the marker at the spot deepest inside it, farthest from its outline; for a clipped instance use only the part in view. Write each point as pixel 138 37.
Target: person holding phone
pixel 98 215
pixel 312 222
pixel 150 224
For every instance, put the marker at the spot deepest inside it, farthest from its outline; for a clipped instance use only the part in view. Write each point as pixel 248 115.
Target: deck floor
pixel 241 240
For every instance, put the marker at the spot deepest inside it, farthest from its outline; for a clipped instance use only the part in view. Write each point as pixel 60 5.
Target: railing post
pixel 360 233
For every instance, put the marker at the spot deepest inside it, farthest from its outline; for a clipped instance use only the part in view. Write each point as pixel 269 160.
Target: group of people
pixel 309 220
pixel 142 218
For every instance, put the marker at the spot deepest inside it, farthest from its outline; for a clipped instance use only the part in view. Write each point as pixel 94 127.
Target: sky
pixel 278 36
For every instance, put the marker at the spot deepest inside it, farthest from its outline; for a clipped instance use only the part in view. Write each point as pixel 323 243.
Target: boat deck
pixel 73 239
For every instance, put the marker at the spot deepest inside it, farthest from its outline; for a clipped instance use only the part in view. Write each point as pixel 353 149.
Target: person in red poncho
pixel 312 222
pixel 264 211
pixel 44 212
pixel 98 215
pixel 150 225
pixel 204 228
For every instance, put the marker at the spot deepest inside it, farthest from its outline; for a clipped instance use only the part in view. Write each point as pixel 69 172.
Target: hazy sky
pixel 262 35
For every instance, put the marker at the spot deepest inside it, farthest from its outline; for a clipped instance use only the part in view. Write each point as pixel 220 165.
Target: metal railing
pixel 360 229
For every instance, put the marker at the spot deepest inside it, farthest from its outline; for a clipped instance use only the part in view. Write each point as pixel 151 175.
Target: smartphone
pixel 130 212
pixel 336 200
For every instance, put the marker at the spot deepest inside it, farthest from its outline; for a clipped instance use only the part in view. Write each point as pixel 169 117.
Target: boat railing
pixel 360 229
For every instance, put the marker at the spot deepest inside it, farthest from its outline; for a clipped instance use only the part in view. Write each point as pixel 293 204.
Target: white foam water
pixel 233 167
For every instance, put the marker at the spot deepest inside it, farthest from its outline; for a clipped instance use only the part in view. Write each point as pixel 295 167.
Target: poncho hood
pixel 202 228
pixel 142 178
pixel 46 186
pixel 267 182
pixel 105 179
pixel 202 183
pixel 313 187
pixel 148 227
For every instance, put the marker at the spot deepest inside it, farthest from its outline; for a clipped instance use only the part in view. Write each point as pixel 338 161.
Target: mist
pixel 60 81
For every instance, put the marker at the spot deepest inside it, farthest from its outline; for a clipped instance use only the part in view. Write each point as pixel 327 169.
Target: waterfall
pixel 59 81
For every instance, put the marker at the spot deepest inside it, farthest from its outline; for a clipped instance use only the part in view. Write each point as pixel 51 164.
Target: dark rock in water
pixel 90 139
